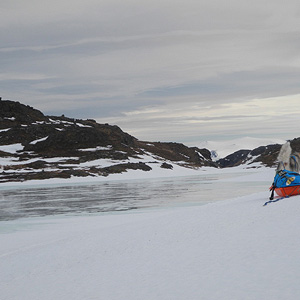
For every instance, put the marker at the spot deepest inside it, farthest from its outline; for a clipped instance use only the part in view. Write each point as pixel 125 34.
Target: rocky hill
pixel 35 146
pixel 265 155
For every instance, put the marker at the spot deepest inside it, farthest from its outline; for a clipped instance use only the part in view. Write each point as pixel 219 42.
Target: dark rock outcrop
pixel 14 113
pixel 295 144
pixel 166 166
pixel 179 153
pixel 266 155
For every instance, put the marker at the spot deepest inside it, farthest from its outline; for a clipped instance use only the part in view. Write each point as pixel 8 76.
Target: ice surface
pixel 124 195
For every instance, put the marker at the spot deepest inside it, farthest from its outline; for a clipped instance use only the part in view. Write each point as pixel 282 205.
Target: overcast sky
pixel 166 70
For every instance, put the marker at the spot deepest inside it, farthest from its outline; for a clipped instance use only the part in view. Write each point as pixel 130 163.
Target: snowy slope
pixel 229 250
pixel 224 148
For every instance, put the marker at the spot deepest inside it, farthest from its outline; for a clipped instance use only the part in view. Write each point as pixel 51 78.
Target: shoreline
pixel 137 175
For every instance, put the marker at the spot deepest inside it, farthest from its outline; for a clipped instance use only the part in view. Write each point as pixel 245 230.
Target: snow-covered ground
pixel 234 249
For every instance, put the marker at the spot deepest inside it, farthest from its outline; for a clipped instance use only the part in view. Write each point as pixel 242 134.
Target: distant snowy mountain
pixel 220 149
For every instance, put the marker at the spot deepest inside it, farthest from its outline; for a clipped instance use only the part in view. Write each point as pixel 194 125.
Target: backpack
pixel 283 179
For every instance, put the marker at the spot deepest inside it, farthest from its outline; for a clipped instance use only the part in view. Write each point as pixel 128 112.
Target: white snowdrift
pixel 38 140
pixel 230 250
pixel 13 148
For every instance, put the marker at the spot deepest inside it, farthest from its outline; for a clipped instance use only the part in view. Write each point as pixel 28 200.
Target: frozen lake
pixel 116 196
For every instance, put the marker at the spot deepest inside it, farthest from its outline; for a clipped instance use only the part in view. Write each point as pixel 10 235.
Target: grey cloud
pixel 77 89
pixel 258 83
pixel 102 59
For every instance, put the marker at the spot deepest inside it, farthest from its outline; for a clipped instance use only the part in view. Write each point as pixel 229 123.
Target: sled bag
pixel 285 178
